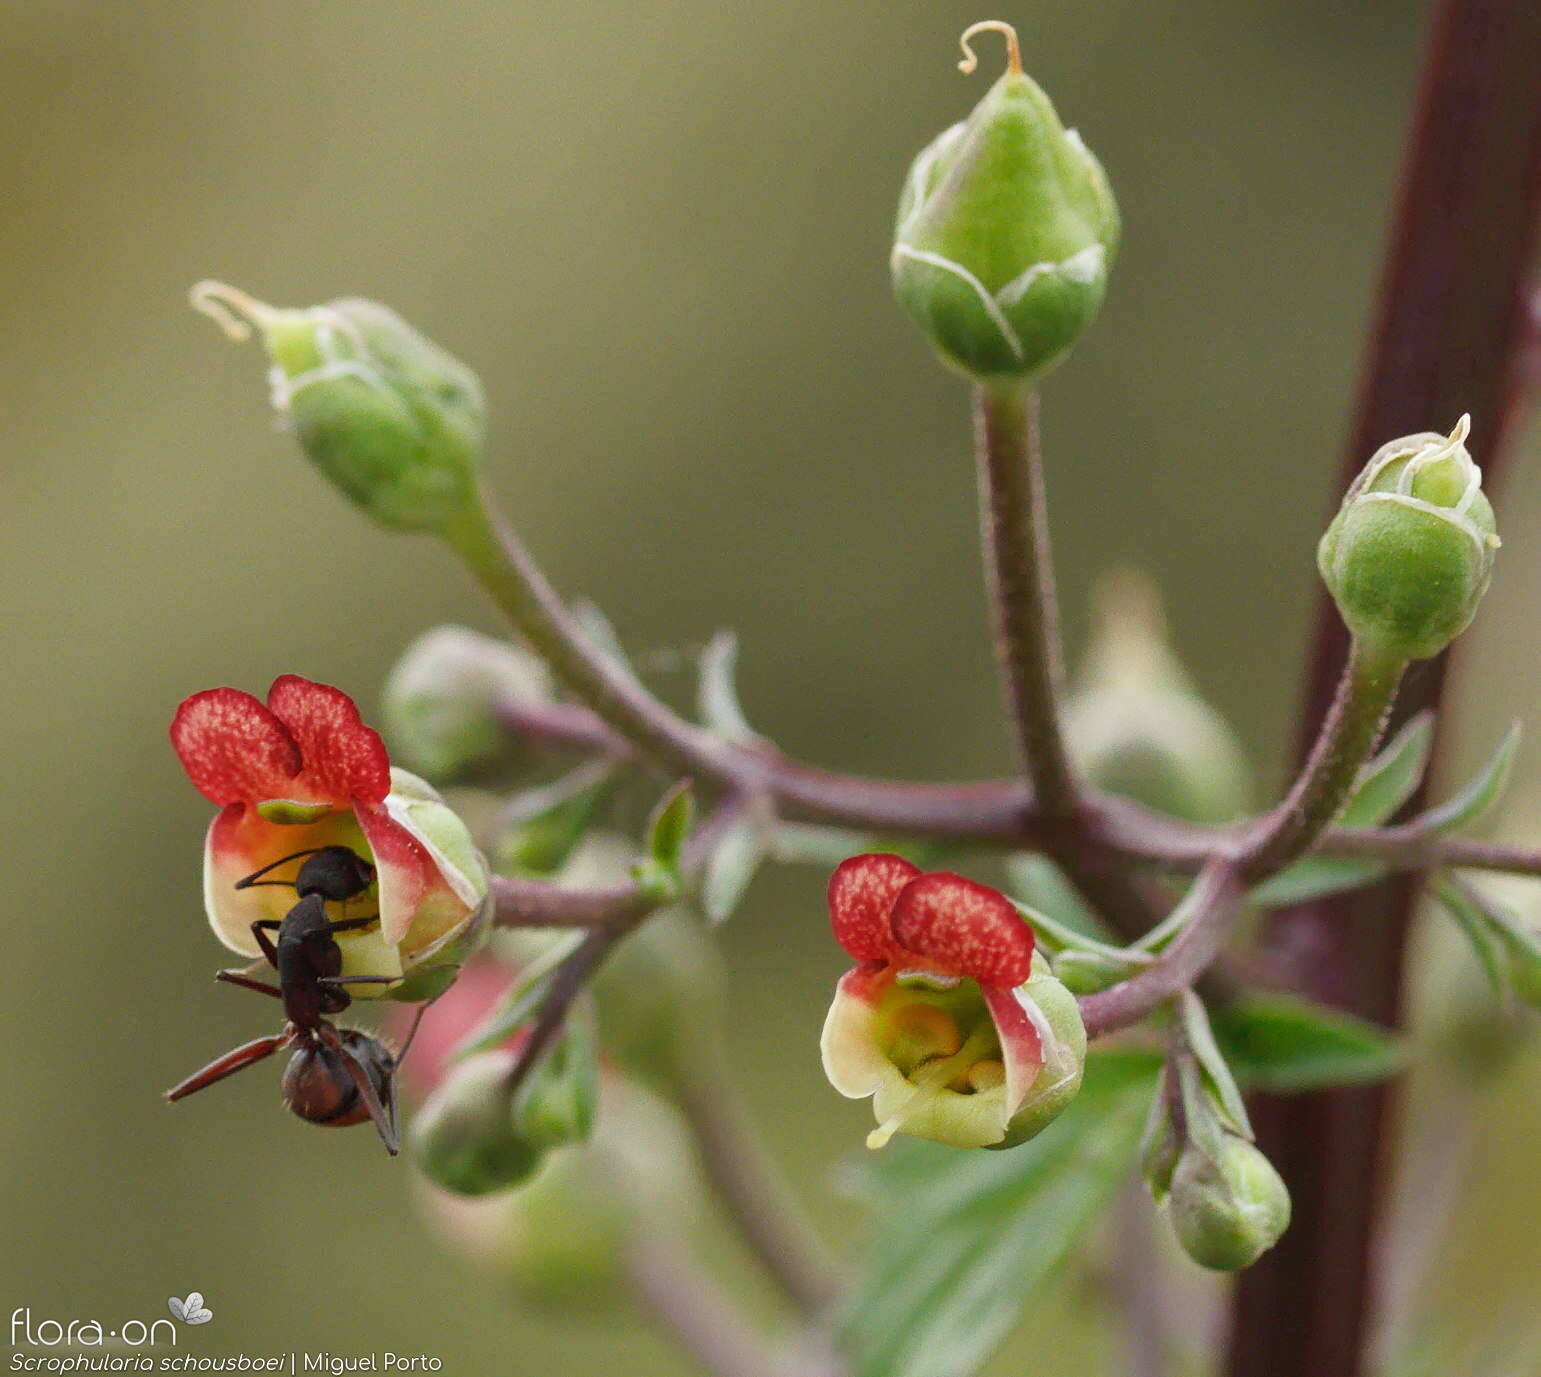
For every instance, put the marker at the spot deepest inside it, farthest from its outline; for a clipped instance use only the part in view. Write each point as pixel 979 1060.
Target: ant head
pixel 334 872
pixel 319 1088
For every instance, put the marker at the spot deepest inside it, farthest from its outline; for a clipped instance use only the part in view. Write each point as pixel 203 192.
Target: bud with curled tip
pixel 1006 232
pixel 1410 553
pixel 1230 1208
pixel 388 416
pixel 441 702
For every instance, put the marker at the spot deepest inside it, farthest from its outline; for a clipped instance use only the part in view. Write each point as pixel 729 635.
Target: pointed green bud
pixel 1230 1209
pixel 464 1137
pixel 1137 725
pixel 1410 553
pixel 1006 232
pixel 441 702
pixel 387 415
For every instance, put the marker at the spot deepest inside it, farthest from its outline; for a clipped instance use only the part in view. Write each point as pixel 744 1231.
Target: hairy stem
pixel 1020 574
pixel 499 561
pixel 1343 744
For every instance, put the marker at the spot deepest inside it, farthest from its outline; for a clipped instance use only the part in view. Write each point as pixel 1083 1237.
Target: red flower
pixel 946 1021
pixel 303 772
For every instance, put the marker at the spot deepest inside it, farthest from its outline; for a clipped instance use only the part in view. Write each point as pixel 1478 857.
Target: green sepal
pixel 557 1103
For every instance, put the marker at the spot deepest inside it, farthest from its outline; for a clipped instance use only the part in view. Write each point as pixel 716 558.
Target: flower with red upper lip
pixel 302 772
pixel 959 1032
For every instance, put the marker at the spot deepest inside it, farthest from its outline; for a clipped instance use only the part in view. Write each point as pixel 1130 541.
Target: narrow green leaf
pixel 1392 778
pixel 812 843
pixel 717 692
pixel 669 826
pixel 964 1238
pixel 1201 1042
pixel 1484 792
pixel 1063 937
pixel 1478 929
pixel 519 1005
pixel 599 629
pixel 1316 877
pixel 539 829
pixel 1043 886
pixel 1283 1042
pixel 733 864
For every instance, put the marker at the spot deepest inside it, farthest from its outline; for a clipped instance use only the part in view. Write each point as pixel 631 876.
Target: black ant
pixel 336 1076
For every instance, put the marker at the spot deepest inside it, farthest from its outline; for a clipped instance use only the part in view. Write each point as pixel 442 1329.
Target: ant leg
pixel 353 924
pixel 256 875
pixel 227 1065
pixel 384 1123
pixel 259 930
pixel 247 983
pixel 358 980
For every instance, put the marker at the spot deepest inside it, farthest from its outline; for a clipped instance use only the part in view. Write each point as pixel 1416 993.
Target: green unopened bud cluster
pixel 1227 1208
pixel 465 1138
pixel 387 415
pixel 1410 554
pixel 441 702
pixel 1005 234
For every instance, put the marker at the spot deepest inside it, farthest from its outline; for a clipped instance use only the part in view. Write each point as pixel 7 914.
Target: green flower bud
pixel 1006 232
pixel 464 1138
pixel 1137 726
pixel 388 416
pixel 441 702
pixel 1057 1017
pixel 1410 554
pixel 1228 1210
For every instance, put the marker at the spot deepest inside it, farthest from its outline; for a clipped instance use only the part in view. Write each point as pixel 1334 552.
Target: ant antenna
pixel 255 879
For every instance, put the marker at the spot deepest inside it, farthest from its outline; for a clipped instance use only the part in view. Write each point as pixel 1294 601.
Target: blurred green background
pixel 660 234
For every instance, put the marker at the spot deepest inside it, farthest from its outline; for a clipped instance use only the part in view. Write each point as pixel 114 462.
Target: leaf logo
pixel 190 1311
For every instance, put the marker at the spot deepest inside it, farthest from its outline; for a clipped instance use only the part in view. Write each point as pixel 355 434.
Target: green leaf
pixel 1283 1042
pixel 1217 1072
pixel 1392 778
pixel 963 1238
pixel 539 829
pixel 1043 886
pixel 734 862
pixel 812 843
pixel 521 1001
pixel 1479 931
pixel 1316 877
pixel 669 826
pixel 599 629
pixel 1484 792
pixel 717 693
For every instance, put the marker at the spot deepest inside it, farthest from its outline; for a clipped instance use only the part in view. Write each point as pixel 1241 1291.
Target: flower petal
pixel 853 1061
pixel 965 928
pixel 861 898
pixel 1021 1044
pixel 416 895
pixel 340 757
pixel 233 749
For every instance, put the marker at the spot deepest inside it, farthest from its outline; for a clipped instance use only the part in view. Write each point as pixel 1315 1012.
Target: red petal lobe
pixel 233 749
pixel 341 758
pixel 861 899
pixel 965 929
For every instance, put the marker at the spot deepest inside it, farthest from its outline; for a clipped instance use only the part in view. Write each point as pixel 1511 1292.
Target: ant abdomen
pixel 318 1087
